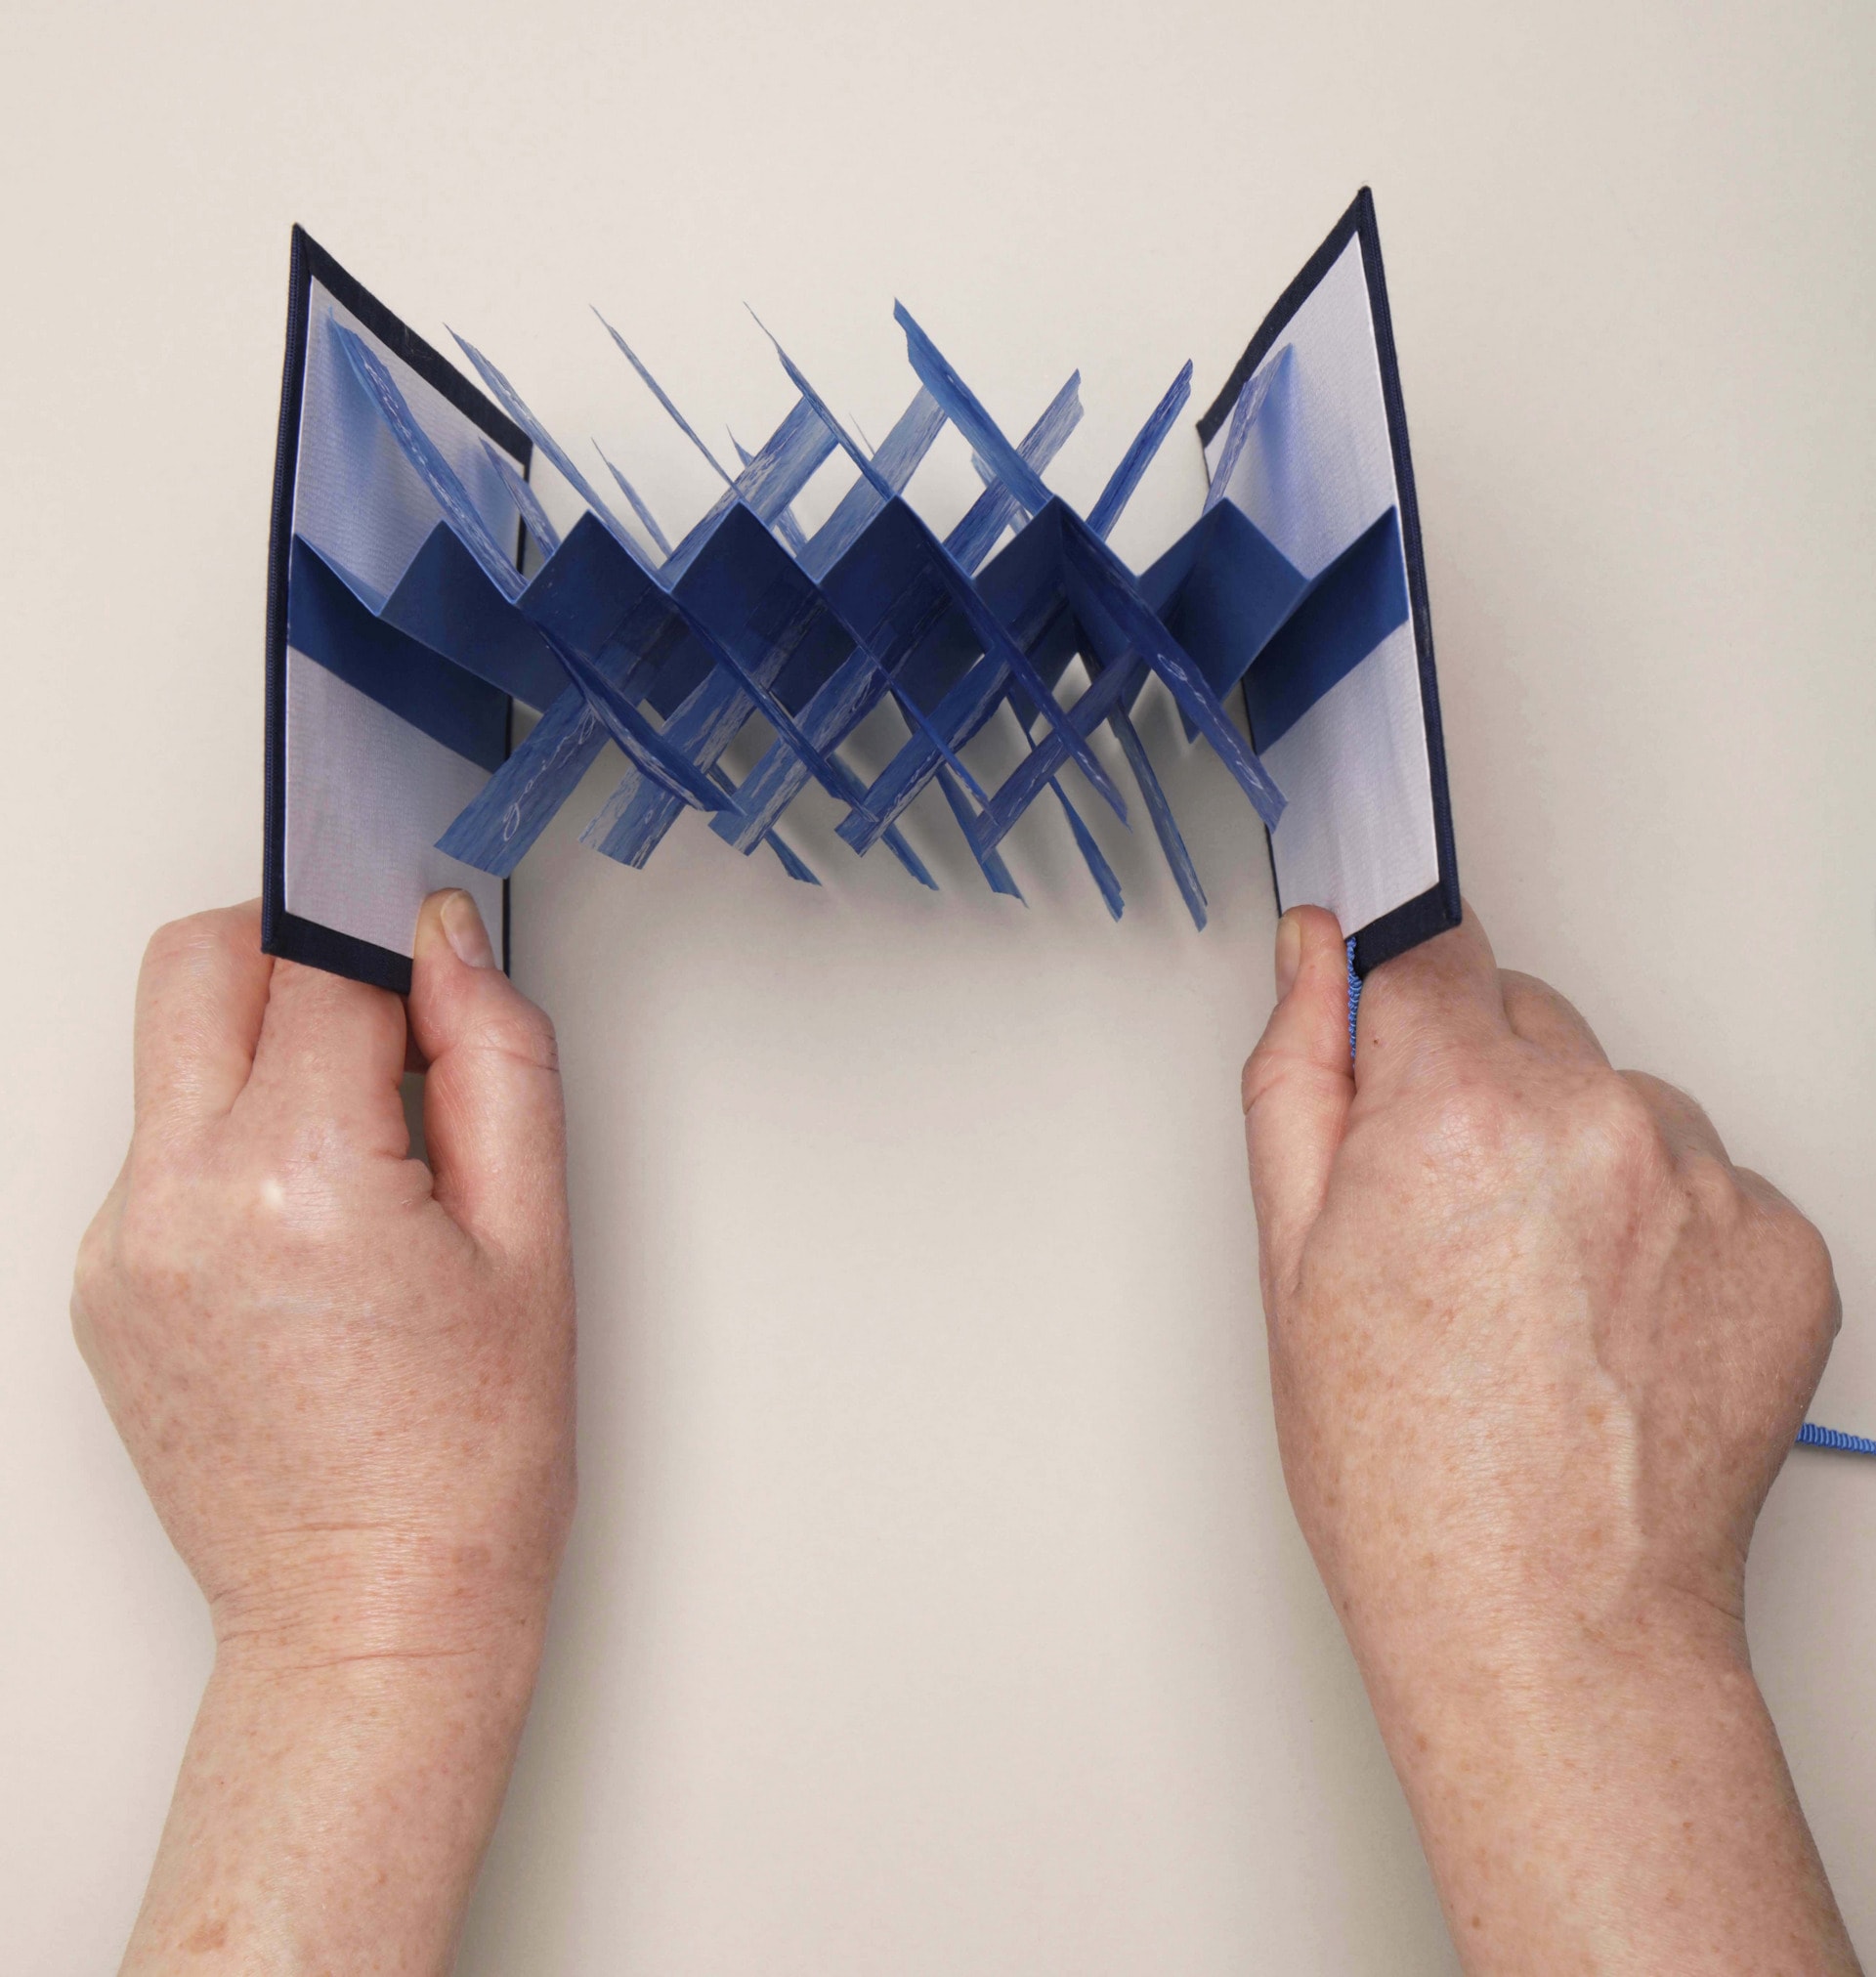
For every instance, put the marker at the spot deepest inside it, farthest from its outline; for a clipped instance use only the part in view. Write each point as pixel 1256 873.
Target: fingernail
pixel 1288 953
pixel 463 928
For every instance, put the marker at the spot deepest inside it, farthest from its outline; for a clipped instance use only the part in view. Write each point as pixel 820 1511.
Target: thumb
pixel 1298 1086
pixel 493 1118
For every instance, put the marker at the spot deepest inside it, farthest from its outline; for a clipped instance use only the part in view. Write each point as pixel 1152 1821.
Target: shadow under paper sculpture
pixel 402 629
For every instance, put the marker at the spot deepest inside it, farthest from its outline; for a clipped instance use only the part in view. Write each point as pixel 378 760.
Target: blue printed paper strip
pixel 426 456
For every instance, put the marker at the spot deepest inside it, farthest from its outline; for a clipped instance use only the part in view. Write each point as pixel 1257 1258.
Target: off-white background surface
pixel 934 1604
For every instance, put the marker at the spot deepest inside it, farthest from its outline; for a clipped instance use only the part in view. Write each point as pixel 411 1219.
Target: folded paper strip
pixel 668 653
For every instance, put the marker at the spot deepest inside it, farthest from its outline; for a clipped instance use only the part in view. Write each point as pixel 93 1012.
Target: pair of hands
pixel 1536 1353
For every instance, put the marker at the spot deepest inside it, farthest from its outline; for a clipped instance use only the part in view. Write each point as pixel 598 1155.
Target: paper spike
pixel 792 862
pixel 996 874
pixel 856 453
pixel 639 507
pixel 421 450
pixel 533 516
pixel 1185 873
pixel 1092 857
pixel 897 459
pixel 1134 463
pixel 976 535
pixel 641 744
pixel 786 461
pixel 1099 586
pixel 657 392
pixel 512 403
pixel 969 416
pixel 784 525
pixel 1244 415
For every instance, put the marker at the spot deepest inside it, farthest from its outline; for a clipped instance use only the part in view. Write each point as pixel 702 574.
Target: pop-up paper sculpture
pixel 418 591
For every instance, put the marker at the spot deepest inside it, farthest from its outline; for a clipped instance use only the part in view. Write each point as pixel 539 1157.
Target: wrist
pixel 1614 1794
pixel 334 1805
pixel 1526 1695
pixel 1529 1665
pixel 385 1687
pixel 1535 1694
pixel 385 1595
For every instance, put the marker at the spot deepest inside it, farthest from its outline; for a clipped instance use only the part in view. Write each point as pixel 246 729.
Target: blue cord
pixel 1809 1435
pixel 1355 1000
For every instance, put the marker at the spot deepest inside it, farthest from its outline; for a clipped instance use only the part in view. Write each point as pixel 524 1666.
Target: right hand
pixel 1538 1350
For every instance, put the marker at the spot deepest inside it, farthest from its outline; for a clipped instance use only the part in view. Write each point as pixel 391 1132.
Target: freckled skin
pixel 1537 1352
pixel 346 1380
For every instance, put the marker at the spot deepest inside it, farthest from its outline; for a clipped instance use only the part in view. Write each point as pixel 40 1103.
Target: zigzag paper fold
pixel 671 652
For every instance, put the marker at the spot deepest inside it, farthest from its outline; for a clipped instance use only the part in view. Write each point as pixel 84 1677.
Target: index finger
pixel 1442 995
pixel 331 1051
pixel 200 996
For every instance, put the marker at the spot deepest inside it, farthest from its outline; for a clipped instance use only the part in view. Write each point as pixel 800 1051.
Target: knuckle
pixel 83 1332
pixel 129 1260
pixel 1811 1271
pixel 1259 1073
pixel 144 1263
pixel 1614 1135
pixel 168 946
pixel 1711 1184
pixel 1463 1135
pixel 177 942
pixel 89 1269
pixel 90 1284
pixel 158 1239
pixel 1470 1116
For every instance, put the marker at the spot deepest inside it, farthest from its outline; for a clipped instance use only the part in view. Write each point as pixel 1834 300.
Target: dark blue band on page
pixel 326 622
pixel 1223 589
pixel 444 600
pixel 1337 622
